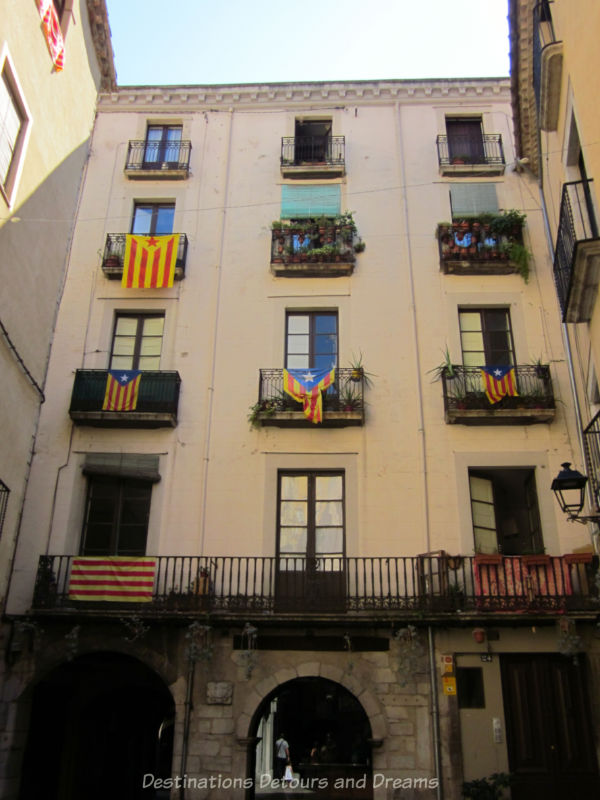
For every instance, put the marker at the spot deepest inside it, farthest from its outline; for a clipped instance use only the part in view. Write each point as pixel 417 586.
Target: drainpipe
pixel 186 727
pixel 435 715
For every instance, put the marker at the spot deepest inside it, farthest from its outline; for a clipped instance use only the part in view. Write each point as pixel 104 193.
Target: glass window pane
pixel 293 512
pixel 149 363
pixel 164 219
pixel 294 487
pixel 126 326
pixel 298 344
pixel 474 360
pixel 329 540
pixel 153 326
pixel 142 220
pixel 121 362
pixel 485 541
pixel 292 540
pixel 324 362
pixel 154 133
pixel 329 487
pixel 298 323
pixel 325 344
pixel 470 321
pixel 151 346
pixel 496 319
pixel 472 341
pixel 329 512
pixel 174 135
pixel 294 563
pixel 298 362
pixel 481 489
pixel 326 324
pixel 483 515
pixel 124 345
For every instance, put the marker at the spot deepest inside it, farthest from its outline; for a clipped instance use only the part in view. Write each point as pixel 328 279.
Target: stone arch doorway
pixel 98 724
pixel 329 736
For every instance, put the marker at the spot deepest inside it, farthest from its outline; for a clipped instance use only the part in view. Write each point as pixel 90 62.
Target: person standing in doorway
pixel 282 756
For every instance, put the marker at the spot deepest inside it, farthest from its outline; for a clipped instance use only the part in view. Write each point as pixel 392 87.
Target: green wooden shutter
pixel 469 199
pixel 310 201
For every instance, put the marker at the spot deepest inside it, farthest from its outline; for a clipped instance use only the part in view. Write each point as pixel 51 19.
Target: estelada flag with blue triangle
pixel 305 386
pixel 122 388
pixel 499 382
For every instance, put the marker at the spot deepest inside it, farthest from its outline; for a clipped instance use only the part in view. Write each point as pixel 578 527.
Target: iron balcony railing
pixel 158 156
pixel 591 445
pixel 577 223
pixel 308 150
pixel 425 584
pixel 313 244
pixel 458 149
pixel 464 389
pixel 543 35
pixel 471 240
pixel 114 253
pixel 345 394
pixel 158 392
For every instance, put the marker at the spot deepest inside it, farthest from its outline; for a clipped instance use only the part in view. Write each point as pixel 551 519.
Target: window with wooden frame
pixel 486 337
pixel 14 130
pixel 163 144
pixel 311 340
pixel 117 515
pixel 153 218
pixel 465 140
pixel 137 341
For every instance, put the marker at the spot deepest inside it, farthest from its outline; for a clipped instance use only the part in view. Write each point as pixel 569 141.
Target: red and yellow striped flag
pixel 149 261
pixel 305 386
pixel 122 389
pixel 112 578
pixel 499 382
pixel 54 37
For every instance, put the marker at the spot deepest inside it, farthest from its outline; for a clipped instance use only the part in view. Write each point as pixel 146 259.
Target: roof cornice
pixel 98 17
pixel 226 97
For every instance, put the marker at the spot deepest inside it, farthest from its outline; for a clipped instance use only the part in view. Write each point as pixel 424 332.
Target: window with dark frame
pixel 137 341
pixel 311 340
pixel 163 144
pixel 465 139
pixel 310 520
pixel 504 509
pixel 486 337
pixel 153 218
pixel 116 518
pixel 13 123
pixel 312 140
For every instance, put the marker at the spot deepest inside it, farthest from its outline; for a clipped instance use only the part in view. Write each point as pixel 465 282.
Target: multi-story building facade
pixel 54 59
pixel 374 567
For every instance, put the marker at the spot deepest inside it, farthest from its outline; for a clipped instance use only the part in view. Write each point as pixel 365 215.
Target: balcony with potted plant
pixel 114 254
pixel 313 156
pixel 482 156
pixel 313 248
pixel 487 244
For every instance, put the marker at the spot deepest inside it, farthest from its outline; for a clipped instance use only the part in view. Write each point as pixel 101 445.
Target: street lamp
pixel 569 490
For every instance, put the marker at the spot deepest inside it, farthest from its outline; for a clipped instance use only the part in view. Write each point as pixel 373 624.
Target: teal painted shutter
pixel 310 201
pixel 468 199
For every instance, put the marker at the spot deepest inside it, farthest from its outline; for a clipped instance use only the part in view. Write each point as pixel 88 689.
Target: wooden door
pixel 548 731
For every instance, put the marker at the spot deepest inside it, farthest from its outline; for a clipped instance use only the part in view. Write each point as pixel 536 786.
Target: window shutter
pixel 124 465
pixel 310 201
pixel 469 199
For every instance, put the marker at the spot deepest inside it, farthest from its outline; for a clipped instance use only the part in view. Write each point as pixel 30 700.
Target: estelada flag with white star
pixel 122 388
pixel 305 386
pixel 499 382
pixel 149 261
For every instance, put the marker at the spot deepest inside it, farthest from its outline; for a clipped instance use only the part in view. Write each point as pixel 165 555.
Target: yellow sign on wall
pixel 449 685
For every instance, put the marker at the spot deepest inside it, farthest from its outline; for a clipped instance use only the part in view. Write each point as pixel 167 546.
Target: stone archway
pixel 98 724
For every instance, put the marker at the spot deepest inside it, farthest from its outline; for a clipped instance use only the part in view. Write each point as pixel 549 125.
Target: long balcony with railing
pixel 547 66
pixel 591 446
pixel 462 155
pixel 114 255
pixel 420 587
pixel 313 156
pixel 466 402
pixel 158 160
pixel 476 247
pixel 343 402
pixel 313 249
pixel 156 406
pixel 577 253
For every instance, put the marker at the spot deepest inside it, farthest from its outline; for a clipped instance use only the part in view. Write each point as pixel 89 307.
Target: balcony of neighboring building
pixel 313 152
pixel 315 248
pixel 488 244
pixel 591 447
pixel 342 402
pixel 547 66
pixel 466 150
pixel 432 586
pixel 158 160
pixel 577 253
pixel 114 254
pixel 153 403
pixel 528 397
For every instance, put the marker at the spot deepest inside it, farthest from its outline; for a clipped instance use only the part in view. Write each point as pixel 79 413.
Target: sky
pixel 271 41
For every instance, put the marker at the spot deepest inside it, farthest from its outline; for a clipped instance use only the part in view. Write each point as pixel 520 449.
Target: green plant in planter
pixel 263 408
pixel 359 246
pixel 490 788
pixel 350 400
pixel 508 223
pixel 520 256
pixel 445 368
pixel 359 372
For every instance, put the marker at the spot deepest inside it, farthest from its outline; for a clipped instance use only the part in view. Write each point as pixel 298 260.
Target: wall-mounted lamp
pixel 569 490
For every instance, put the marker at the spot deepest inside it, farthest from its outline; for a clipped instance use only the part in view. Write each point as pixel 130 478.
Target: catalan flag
pixel 305 386
pixel 149 261
pixel 122 388
pixel 53 33
pixel 112 578
pixel 498 382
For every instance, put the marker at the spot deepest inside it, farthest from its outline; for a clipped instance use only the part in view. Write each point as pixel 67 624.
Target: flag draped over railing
pixel 305 386
pixel 53 33
pixel 122 389
pixel 499 382
pixel 149 261
pixel 112 578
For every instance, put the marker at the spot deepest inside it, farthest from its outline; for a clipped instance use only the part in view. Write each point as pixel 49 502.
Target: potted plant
pixel 358 371
pixel 520 256
pixel 350 400
pixel 490 788
pixel 359 246
pixel 446 368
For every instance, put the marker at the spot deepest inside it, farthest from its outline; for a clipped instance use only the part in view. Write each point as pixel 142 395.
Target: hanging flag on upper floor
pixel 305 386
pixel 149 261
pixel 122 389
pixel 53 33
pixel 112 578
pixel 499 382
